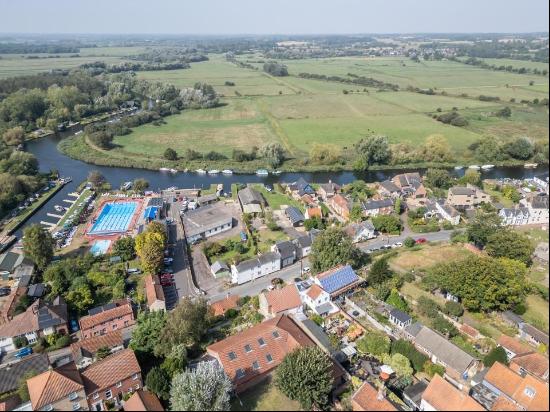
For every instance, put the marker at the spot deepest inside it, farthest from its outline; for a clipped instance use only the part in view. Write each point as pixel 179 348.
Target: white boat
pixel 173 171
pixel 459 167
pixel 201 171
pixel 531 165
pixel 127 186
pixel 59 208
pixel 474 167
pixel 227 172
pixel 487 167
pixel 276 172
pixel 262 172
pixel 213 172
pixel 164 169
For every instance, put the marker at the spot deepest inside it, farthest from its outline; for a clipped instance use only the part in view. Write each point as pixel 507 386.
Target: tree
pixel 140 185
pixel 427 307
pixel 305 375
pixel 356 214
pixel 274 153
pixel 125 247
pixel 150 249
pixel 22 388
pixel 96 179
pixel 488 149
pixel 453 308
pixel 14 136
pixel 472 177
pixel 38 245
pixel 205 388
pixel 521 149
pixel 511 193
pixel 431 369
pixel 170 154
pixel 482 226
pixel 372 150
pixel 437 148
pixel 387 224
pixel 177 359
pixel 374 343
pixel 158 382
pixel 438 178
pixel 146 334
pixel 379 272
pixel 325 154
pixel 510 244
pixel 103 352
pixel 408 350
pixel 397 301
pixel 444 327
pixel 399 363
pixel 20 341
pixel 409 242
pixel 331 248
pixel 185 325
pixel 504 112
pixel 497 354
pixel 102 139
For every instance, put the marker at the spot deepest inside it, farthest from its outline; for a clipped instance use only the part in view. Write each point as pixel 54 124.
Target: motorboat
pixel 487 167
pixel 227 172
pixel 213 172
pixel 164 169
pixel 127 186
pixel 459 167
pixel 474 167
pixel 59 208
pixel 262 172
pixel 531 165
pixel 276 172
pixel 173 171
pixel 201 171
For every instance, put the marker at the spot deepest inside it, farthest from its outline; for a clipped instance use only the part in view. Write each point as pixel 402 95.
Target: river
pixel 45 149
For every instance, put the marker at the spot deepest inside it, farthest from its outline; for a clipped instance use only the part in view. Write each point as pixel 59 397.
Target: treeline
pixel 230 57
pixel 26 48
pixel 489 149
pixel 473 61
pixel 275 69
pixel 354 79
pixel 171 55
pixel 99 67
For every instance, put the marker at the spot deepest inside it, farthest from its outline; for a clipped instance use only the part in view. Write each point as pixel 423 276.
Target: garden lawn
pixel 537 312
pixel 264 397
pixel 426 257
pixel 275 199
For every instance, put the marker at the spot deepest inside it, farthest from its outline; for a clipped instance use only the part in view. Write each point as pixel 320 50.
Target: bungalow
pixel 84 352
pixel 154 293
pixel 300 188
pixel 205 222
pixel 251 201
pixel 328 190
pixel 538 208
pixel 515 216
pixel 207 199
pixel 338 280
pixel 440 395
pixel 287 251
pixel 220 269
pixel 533 335
pixel 40 319
pixel 280 301
pixel 255 268
pixel 389 189
pixel 340 205
pixel 410 184
pixel 378 207
pixel 316 299
pixel 359 232
pixel 400 318
pixel 295 216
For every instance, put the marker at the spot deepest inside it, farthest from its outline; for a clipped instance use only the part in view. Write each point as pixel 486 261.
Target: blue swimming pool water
pixel 114 218
pixel 100 247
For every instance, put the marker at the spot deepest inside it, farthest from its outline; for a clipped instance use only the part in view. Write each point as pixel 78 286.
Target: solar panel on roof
pixel 339 279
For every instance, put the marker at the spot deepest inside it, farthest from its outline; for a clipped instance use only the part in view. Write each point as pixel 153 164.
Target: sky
pixel 272 16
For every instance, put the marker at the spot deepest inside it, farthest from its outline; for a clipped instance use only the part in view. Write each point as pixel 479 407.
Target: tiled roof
pixel 280 300
pixel 504 404
pixel 221 306
pixel 112 369
pixel 89 321
pixel 143 401
pixel 513 345
pixel 341 201
pixel 534 363
pixel 38 316
pixel 153 289
pixel 53 385
pixel 11 375
pixel 218 266
pixel 275 337
pixel 314 212
pixel 337 278
pixel 445 397
pixel 469 330
pixel 314 291
pixel 367 399
pixel 89 347
pixel 503 378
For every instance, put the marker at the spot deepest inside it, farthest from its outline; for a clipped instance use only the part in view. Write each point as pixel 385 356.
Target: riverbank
pixel 76 147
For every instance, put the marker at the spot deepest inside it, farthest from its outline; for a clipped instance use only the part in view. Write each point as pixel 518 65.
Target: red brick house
pixel 107 318
pixel 143 401
pixel 109 379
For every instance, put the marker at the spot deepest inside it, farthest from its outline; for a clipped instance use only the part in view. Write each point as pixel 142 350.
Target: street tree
pixel 331 248
pixel 150 249
pixel 38 245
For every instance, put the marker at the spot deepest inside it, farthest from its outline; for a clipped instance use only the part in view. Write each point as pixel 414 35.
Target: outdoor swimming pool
pixel 114 218
pixel 100 247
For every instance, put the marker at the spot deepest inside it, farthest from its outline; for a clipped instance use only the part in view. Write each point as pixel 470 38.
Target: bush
pixel 409 242
pixel 431 369
pixel 444 327
pixel 170 154
pixel 20 341
pixel 498 354
pixel 428 307
pixel 408 350
pixel 452 308
pixel 374 343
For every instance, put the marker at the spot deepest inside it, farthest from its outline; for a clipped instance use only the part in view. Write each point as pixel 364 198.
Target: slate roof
pixel 302 187
pixel 389 186
pixel 535 333
pixel 444 350
pixel 218 266
pixel 286 249
pixel 294 214
pixel 338 278
pixel 204 218
pixel 377 204
pixel 415 391
pixel 462 191
pixel 329 188
pixel 303 241
pixel 512 317
pixel 355 229
pixel 250 196
pixel 9 260
pixel 414 328
pixel 269 257
pixel 37 290
pixel 257 261
pixel 400 315
pixel 515 212
pixel 540 201
pixel 11 375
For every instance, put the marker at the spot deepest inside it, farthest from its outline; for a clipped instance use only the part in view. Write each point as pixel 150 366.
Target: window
pixel 95 395
pixel 108 394
pixel 255 365
pixel 529 391
pixel 137 386
pixel 119 384
pixel 76 406
pixel 247 348
pixel 114 326
pixel 135 376
pixel 48 407
pixel 232 356
pixel 275 334
pixel 73 396
pixel 261 341
pixel 269 358
pixel 240 373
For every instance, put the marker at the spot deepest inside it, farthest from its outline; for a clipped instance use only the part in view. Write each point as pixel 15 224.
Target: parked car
pixel 277 281
pixel 73 324
pixel 421 240
pixel 306 269
pixel 297 280
pixel 398 244
pixel 168 260
pixel 133 271
pixel 21 353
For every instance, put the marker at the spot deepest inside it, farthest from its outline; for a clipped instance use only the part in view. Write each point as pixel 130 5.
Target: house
pixel 541 181
pixel 389 189
pixel 84 352
pixel 512 347
pixel 368 398
pixel 515 216
pixel 308 200
pixel 411 332
pixel 143 401
pixel 11 374
pixel 280 301
pixel 504 387
pixel 255 268
pixel 295 216
pixel 251 355
pixel 328 190
pixel 447 212
pixel 59 389
pixel 313 212
pixel 340 205
pixel 154 293
pixel 537 204
pixel 300 188
pixel 207 199
pixel 10 261
pixel 303 246
pixel 287 251
pixel 220 307
pixel 466 197
pixel 410 184
pixel 40 319
pixel 399 318
pixel 533 335
pixel 205 222
pixel 37 290
pixel 458 364
pixel 373 208
pixel 359 232
pixel 412 395
pixel 440 395
pixel 251 200
pixel 316 299
pixel 109 379
pixel 220 269
pixel 107 318
pixel 532 363
pixel 512 319
pixel 338 280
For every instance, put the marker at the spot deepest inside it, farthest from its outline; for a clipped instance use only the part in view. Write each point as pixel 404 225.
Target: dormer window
pixel 247 348
pixel 529 391
pixel 232 355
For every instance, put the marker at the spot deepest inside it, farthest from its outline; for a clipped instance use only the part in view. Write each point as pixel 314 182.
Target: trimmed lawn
pixel 275 199
pixel 264 397
pixel 537 312
pixel 426 257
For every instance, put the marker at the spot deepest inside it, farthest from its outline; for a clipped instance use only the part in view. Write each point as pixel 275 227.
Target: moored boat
pixel 227 172
pixel 262 172
pixel 531 165
pixel 474 167
pixel 164 169
pixel 487 167
pixel 459 167
pixel 213 172
pixel 201 171
pixel 276 172
pixel 173 171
